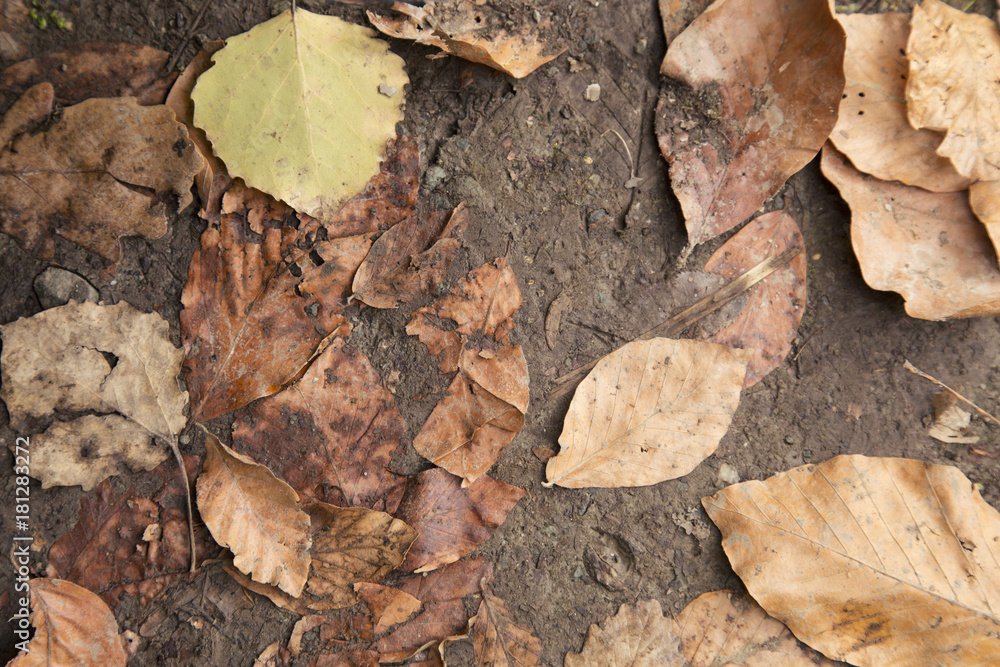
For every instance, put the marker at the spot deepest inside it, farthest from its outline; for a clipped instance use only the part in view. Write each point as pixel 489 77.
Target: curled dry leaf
pixel 648 412
pixel 331 435
pixel 389 606
pixel 293 108
pixel 497 639
pixel 954 85
pixel 483 411
pixel 476 31
pixel 859 555
pixel 762 100
pixel 872 129
pixel 256 516
pixel 951 421
pixel 769 322
pixel 13 15
pixel 925 245
pixel 639 636
pixel 86 174
pixel 451 520
pixel 95 69
pixel 72 627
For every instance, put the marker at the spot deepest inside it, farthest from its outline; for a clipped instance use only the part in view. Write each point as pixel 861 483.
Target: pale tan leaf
pixel 498 640
pixel 984 198
pixel 951 421
pixel 72 627
pixel 389 606
pixel 256 516
pixel 861 556
pixel 638 636
pixel 648 412
pixel 872 129
pixel 954 85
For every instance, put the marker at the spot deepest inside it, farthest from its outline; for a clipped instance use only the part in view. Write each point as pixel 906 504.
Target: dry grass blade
pixel 910 367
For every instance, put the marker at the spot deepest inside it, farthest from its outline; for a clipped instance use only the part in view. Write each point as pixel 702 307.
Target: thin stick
pixel 684 319
pixel 910 367
pixel 187 37
pixel 187 496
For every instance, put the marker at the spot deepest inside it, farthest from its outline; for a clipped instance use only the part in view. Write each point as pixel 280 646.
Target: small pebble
pixel 807 454
pixel 593 92
pixel 789 440
pixel 184 439
pixel 387 90
pixel 537 15
pixel 578 572
pixel 728 474
pixel 596 216
pixel 640 46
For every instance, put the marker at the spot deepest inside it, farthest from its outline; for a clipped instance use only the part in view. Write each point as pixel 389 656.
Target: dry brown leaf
pixel 475 31
pixel 256 516
pixel 723 628
pixel 951 421
pixel 95 69
pixel 85 175
pixel 451 520
pixel 331 435
pixel 769 322
pixel 72 627
pixel 925 245
pixel 872 129
pixel 954 85
pixel 280 598
pixel 859 556
pixel 498 640
pixel 639 636
pixel 648 412
pixel 483 411
pixel 389 606
pixel 13 15
pixel 984 198
pixel 765 80
pixel 553 318
pixel 676 15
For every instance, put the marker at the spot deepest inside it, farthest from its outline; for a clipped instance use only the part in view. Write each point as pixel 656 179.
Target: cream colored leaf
pixel 648 412
pixel 293 107
pixel 954 85
pixel 984 198
pixel 639 636
pixel 256 516
pixel 874 561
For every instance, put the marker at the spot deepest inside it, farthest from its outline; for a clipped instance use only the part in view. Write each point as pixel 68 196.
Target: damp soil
pixel 543 173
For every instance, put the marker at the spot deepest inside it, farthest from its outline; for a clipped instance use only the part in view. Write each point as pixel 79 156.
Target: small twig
pixel 806 342
pixel 172 63
pixel 910 367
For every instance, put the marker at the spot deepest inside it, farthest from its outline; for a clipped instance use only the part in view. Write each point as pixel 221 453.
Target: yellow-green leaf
pixel 300 107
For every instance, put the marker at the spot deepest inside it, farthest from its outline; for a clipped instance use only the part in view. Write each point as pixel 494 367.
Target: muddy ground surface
pixel 542 172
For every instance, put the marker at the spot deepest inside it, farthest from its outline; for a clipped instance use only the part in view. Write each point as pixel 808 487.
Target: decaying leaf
pixel 331 435
pixel 648 412
pixel 954 85
pixel 951 421
pixel 872 129
pixel 95 69
pixel 451 520
pixel 483 411
pixel 293 108
pixel 769 322
pixel 639 636
pixel 859 556
pixel 927 246
pixel 765 81
pixel 72 627
pixel 299 605
pixel 256 516
pixel 85 176
pixel 476 31
pixel 389 606
pixel 497 638
pixel 13 15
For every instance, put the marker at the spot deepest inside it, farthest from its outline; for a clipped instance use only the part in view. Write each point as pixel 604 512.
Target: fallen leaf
pixel 765 80
pixel 543 454
pixel 482 412
pixel 256 516
pixel 984 198
pixel 72 627
pixel 954 85
pixel 280 598
pixel 769 322
pixel 648 412
pixel 331 435
pixel 724 628
pixel 270 657
pixel 858 556
pixel 95 69
pixel 925 245
pixel 498 640
pixel 293 108
pixel 639 636
pixel 12 20
pixel 477 32
pixel 873 130
pixel 107 553
pixel 553 318
pixel 86 174
pixel 951 422
pixel 676 15
pixel 389 606
pixel 451 520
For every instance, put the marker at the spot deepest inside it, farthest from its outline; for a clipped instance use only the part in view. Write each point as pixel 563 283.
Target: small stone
pixel 184 439
pixel 640 46
pixel 537 15
pixel 433 176
pixel 578 572
pixel 57 287
pixel 789 440
pixel 728 474
pixel 593 92
pixel 387 90
pixel 596 216
pixel 807 454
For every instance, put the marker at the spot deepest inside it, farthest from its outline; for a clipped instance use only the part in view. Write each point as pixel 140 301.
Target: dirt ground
pixel 542 172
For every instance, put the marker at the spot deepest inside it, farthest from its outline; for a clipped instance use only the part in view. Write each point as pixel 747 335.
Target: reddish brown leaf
pixel 765 81
pixel 95 69
pixel 677 14
pixel 768 323
pixel 483 411
pixel 498 640
pixel 389 606
pixel 106 552
pixel 452 521
pixel 331 435
pixel 273 593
